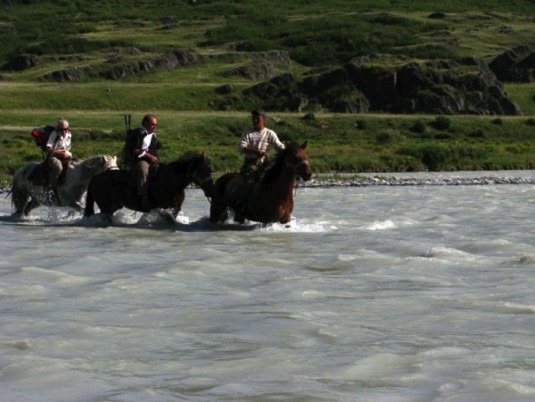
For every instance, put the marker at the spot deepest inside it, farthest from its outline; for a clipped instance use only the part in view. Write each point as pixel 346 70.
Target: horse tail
pixel 89 203
pixel 19 196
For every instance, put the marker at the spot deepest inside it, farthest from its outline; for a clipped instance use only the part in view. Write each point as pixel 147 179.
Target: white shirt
pixel 259 140
pixel 146 144
pixel 63 143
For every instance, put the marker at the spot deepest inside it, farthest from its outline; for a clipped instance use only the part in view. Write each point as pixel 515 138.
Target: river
pixel 371 293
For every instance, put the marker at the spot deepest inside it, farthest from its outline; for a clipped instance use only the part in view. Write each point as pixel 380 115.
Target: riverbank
pixel 473 178
pixel 477 178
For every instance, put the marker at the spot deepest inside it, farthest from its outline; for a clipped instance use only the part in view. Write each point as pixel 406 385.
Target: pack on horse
pixel 267 200
pixel 114 190
pixel 30 183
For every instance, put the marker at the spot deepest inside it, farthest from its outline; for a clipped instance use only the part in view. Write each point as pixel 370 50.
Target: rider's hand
pixel 151 158
pixel 63 154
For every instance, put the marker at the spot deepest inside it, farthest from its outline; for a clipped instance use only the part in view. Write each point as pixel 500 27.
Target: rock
pixel 225 89
pixel 68 75
pixel 437 15
pixel 515 65
pixel 21 62
pixel 463 86
pixel 117 68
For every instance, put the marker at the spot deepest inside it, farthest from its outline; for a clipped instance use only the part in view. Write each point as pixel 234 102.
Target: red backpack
pixel 40 136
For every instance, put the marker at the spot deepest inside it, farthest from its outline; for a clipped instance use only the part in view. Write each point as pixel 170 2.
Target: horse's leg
pixel 174 208
pixel 19 206
pixel 287 215
pixel 89 204
pixel 217 207
pixel 218 212
pixel 76 206
pixel 29 206
pixel 285 219
pixel 19 199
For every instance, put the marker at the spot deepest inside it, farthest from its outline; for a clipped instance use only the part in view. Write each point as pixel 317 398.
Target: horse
pixel 267 200
pixel 113 190
pixel 29 190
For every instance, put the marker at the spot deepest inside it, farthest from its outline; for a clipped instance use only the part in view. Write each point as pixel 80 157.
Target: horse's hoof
pixel 239 218
pixel 168 215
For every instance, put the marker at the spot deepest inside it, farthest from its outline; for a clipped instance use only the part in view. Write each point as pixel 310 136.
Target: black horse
pixel 114 190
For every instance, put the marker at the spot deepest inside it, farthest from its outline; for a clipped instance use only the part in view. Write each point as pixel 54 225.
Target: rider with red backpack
pixel 58 153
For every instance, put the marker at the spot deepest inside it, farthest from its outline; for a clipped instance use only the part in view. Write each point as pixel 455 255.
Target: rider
pixel 58 152
pixel 144 158
pixel 254 143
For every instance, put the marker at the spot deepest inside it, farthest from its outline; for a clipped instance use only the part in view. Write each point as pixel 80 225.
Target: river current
pixel 371 293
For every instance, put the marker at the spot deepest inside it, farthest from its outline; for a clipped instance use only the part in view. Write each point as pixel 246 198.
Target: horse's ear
pixel 304 145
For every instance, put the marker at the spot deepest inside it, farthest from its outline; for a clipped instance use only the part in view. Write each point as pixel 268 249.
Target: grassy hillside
pixel 230 35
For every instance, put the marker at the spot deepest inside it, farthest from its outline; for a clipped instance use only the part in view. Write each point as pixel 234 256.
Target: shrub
pixel 441 123
pixel 361 124
pixel 386 137
pixel 477 134
pixel 443 136
pixel 418 127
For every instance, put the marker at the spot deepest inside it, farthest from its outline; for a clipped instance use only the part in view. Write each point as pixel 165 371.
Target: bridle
pixel 201 182
pixel 295 166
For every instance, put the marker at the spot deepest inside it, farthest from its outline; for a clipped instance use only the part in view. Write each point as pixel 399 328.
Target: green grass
pixel 337 143
pixel 317 34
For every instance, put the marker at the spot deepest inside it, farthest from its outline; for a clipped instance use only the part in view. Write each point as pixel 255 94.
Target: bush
pixel 386 137
pixel 477 134
pixel 418 127
pixel 441 123
pixel 443 136
pixel 361 124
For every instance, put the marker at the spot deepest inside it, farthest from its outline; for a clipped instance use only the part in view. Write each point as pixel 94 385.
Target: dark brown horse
pixel 270 199
pixel 114 190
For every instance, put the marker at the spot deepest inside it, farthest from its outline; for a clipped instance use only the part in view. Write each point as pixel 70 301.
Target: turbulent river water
pixel 371 293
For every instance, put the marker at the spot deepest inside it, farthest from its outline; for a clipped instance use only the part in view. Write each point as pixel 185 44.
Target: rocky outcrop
pixel 515 65
pixel 21 62
pixel 464 86
pixel 263 66
pixel 280 93
pixel 118 67
pixel 67 75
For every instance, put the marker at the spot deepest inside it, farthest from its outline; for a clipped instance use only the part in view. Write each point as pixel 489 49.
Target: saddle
pixel 39 175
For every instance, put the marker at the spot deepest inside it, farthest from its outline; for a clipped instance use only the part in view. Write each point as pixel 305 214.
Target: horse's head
pixel 201 174
pixel 297 160
pixel 99 164
pixel 110 162
pixel 88 168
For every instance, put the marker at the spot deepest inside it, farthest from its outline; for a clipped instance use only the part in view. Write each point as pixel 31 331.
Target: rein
pixel 298 164
pixel 201 182
pixel 294 167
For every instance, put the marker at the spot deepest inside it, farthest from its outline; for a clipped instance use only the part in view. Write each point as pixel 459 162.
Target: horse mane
pixel 184 162
pixel 274 171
